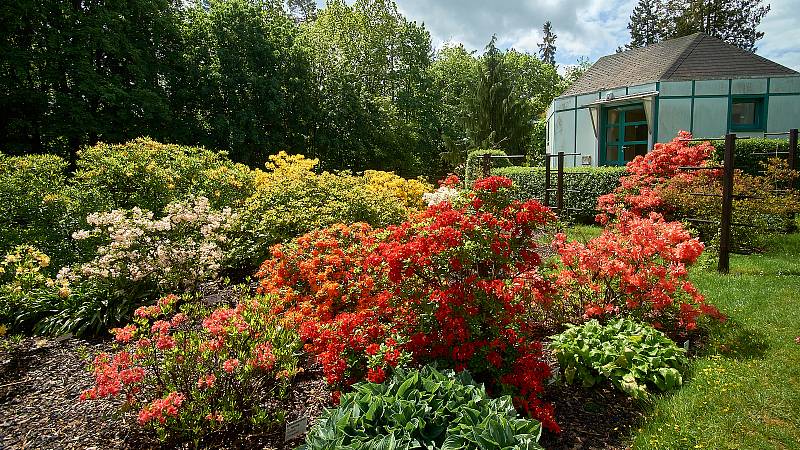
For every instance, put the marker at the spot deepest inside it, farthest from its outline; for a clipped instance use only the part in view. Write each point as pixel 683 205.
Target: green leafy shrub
pixel 423 409
pixel 33 205
pixel 147 174
pixel 581 191
pixel 630 354
pixel 758 206
pixel 746 154
pixel 473 169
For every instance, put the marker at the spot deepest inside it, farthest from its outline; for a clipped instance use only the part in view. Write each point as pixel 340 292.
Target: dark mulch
pixel 597 418
pixel 41 380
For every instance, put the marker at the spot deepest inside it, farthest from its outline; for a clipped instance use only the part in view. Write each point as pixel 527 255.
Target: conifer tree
pixel 547 49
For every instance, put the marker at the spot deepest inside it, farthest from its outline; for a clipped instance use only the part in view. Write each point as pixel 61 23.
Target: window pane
pixel 636 133
pixel 640 149
pixel 613 116
pixel 635 115
pixel 612 134
pixel 612 153
pixel 629 152
pixel 744 113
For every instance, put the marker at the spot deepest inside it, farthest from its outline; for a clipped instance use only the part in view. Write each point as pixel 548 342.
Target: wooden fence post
pixel 547 180
pixel 486 165
pixel 792 153
pixel 727 204
pixel 560 183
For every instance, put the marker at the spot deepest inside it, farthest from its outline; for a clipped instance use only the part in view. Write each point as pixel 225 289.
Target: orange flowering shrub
pixel 454 284
pixel 637 266
pixel 639 189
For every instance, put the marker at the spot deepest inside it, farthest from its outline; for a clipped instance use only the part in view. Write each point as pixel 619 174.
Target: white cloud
pixel 585 28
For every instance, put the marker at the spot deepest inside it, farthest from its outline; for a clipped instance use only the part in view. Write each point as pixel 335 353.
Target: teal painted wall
pixel 749 86
pixel 706 117
pixel 585 140
pixel 783 113
pixel 674 114
pixel 701 107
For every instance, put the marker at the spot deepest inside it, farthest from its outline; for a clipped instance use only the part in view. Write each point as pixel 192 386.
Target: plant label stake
pixel 295 429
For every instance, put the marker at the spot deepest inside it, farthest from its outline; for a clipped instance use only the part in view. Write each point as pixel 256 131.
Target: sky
pixel 584 28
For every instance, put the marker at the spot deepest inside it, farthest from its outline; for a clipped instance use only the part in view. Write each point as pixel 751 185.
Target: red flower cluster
pixel 646 175
pixel 455 285
pixel 219 366
pixel 492 184
pixel 638 265
pixel 162 408
pixel 451 180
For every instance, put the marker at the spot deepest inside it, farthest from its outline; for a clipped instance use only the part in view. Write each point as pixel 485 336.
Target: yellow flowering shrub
pixel 26 290
pixel 408 191
pixel 291 199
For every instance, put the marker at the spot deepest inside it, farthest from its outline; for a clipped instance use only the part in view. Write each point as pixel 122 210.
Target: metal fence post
pixel 727 204
pixel 560 183
pixel 486 165
pixel 792 153
pixel 547 180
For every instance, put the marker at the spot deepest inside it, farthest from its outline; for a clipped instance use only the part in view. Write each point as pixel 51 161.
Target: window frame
pixel 620 143
pixel 759 114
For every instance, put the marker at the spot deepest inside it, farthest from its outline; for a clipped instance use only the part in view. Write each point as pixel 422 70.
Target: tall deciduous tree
pixel 303 10
pixel 455 73
pixel 547 48
pixel 498 117
pixel 374 97
pixel 75 72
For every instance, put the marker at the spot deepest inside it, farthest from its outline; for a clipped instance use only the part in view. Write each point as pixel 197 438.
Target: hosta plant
pixel 632 355
pixel 186 373
pixel 423 409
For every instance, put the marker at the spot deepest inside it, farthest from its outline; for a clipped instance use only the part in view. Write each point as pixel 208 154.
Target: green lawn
pixel 744 392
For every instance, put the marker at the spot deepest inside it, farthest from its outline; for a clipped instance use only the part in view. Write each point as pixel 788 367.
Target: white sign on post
pixel 295 429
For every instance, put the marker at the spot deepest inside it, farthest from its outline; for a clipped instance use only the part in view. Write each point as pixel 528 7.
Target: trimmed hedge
pixel 745 148
pixel 581 191
pixel 473 169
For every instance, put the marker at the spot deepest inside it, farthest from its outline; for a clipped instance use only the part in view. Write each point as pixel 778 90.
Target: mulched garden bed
pixel 41 379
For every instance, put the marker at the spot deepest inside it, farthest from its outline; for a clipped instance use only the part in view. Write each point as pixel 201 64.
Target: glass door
pixel 625 135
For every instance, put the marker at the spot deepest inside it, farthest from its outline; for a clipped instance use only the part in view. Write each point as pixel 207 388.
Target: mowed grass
pixel 743 391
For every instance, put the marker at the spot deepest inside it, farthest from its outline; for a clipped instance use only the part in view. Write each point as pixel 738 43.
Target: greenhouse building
pixel 628 101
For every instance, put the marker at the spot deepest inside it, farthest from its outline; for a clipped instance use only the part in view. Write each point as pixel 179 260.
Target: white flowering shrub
pixel 444 193
pixel 185 247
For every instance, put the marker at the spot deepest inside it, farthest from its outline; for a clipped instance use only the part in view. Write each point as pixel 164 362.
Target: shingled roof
pixel 694 57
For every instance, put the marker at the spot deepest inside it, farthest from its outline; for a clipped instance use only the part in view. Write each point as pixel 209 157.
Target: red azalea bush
pixel 639 190
pixel 188 377
pixel 454 284
pixel 637 266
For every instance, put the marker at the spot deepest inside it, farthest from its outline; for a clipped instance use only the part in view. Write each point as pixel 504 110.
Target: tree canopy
pixel 733 21
pixel 358 85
